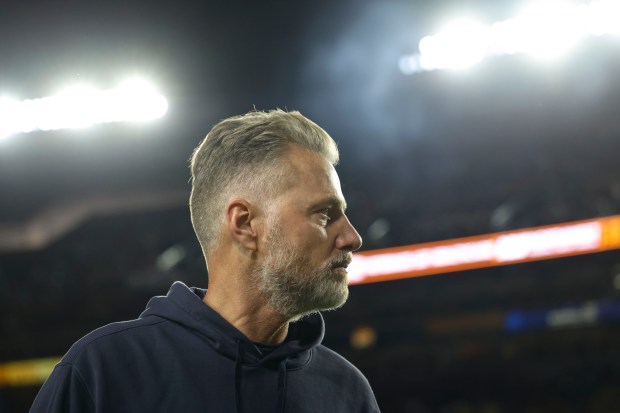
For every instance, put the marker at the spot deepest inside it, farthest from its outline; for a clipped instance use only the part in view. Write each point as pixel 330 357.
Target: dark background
pixel 511 143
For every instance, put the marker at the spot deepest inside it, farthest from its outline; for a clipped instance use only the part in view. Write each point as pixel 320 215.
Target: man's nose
pixel 348 239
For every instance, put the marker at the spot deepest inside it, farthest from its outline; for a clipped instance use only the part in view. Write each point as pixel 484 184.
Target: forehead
pixel 316 178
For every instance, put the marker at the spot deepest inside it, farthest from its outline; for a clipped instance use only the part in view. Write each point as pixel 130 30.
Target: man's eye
pixel 326 214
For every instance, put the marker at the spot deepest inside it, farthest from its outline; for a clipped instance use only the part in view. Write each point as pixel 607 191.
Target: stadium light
pixel 81 106
pixel 544 30
pixel 460 45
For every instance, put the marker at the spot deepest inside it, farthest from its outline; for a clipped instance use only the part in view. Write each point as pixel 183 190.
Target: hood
pixel 184 305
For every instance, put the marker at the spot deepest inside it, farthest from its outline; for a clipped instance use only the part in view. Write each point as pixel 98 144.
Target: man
pixel 268 210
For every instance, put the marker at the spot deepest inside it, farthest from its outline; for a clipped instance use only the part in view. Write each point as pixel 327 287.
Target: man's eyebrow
pixel 334 201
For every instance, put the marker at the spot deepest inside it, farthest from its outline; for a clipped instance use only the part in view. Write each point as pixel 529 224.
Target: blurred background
pixel 94 220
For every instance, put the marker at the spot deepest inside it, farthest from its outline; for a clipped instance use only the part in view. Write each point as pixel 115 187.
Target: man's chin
pixel 329 291
pixel 330 298
pixel 337 300
pixel 341 273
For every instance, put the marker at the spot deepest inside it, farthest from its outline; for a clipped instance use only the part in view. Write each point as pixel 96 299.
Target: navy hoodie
pixel 182 356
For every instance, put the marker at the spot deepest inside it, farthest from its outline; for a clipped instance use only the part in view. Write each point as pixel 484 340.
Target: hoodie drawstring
pixel 281 380
pixel 238 366
pixel 281 385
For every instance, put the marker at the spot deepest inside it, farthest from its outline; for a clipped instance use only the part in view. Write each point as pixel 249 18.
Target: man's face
pixel 308 241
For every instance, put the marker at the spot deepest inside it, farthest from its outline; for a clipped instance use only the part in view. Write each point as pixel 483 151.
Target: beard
pixel 293 285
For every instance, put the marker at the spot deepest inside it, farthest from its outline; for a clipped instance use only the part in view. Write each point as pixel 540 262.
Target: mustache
pixel 342 261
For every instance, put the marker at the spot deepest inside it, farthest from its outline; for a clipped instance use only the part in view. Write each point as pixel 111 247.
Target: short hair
pixel 238 154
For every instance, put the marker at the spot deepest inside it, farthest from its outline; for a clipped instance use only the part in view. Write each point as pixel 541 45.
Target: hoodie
pixel 182 356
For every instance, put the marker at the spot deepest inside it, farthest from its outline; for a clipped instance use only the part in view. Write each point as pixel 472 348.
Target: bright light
pixel 546 29
pixel 138 101
pixel 8 118
pixel 602 17
pixel 462 44
pixel 82 106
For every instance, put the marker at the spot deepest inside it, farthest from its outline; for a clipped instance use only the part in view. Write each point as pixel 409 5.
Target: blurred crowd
pixel 440 342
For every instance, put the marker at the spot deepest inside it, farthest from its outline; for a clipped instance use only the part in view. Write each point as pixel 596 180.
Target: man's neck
pixel 257 321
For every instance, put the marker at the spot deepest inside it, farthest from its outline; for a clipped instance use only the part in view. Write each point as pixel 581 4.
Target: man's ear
pixel 241 223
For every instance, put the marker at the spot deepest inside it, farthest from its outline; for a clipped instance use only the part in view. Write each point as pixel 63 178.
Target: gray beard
pixel 292 286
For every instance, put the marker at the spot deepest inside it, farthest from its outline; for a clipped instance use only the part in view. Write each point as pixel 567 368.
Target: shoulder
pixel 115 334
pixel 326 354
pixel 352 385
pixel 333 362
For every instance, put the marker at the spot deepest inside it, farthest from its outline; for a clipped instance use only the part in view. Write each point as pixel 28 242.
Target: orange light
pixel 26 372
pixel 510 247
pixel 363 337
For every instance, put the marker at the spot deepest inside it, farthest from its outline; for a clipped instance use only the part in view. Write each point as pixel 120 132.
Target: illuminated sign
pixel 486 250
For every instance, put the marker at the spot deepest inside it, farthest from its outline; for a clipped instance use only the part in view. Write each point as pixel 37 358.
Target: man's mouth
pixel 342 264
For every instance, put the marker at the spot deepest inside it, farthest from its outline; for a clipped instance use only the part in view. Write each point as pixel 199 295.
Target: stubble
pixel 293 285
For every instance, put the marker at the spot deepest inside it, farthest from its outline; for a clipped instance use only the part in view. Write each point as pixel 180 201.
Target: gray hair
pixel 239 154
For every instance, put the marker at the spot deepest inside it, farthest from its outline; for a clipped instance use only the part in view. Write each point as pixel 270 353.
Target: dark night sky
pixel 336 62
